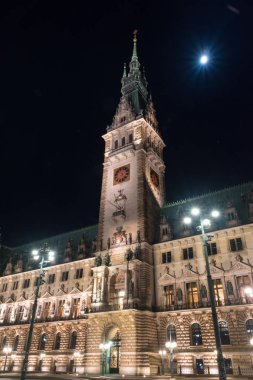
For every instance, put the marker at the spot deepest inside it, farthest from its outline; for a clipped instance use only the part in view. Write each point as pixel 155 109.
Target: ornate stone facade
pixel 137 279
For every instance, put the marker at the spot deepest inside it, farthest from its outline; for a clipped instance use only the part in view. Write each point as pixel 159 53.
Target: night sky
pixel 61 65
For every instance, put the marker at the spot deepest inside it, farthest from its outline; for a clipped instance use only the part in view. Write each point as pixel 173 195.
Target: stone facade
pixel 138 279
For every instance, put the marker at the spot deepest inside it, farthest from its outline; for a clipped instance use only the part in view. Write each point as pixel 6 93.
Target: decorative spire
pixel 134 64
pixel 124 71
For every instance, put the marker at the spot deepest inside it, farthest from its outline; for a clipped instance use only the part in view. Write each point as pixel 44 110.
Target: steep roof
pixel 236 197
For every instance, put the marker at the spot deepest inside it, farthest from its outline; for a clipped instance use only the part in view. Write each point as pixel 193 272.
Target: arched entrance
pixel 114 362
pixel 110 350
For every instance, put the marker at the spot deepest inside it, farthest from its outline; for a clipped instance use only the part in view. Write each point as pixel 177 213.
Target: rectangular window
pixel 166 257
pixel 168 295
pixel 192 294
pixel 79 273
pixel 218 292
pixel 51 278
pixel 188 253
pixel 212 249
pixel 36 282
pixel 5 286
pixel 26 283
pixel 236 244
pixel 116 144
pixel 15 285
pixel 65 276
pixel 130 138
pixel 123 141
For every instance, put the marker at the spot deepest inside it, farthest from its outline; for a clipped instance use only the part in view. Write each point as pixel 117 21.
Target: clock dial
pixel 121 174
pixel 154 178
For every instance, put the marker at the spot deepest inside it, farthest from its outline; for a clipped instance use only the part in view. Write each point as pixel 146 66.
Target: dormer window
pixel 122 119
pixel 231 216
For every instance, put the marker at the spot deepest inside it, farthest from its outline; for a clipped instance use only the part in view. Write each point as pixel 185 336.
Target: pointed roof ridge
pixel 169 204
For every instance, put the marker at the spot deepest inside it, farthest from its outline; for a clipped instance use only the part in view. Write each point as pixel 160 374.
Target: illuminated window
pixel 218 291
pixel 192 294
pixel 169 295
pixel 196 335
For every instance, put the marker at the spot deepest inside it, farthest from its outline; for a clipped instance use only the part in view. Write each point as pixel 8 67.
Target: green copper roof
pixel 237 197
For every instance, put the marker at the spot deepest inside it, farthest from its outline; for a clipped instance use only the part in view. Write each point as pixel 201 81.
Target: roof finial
pixel 135 34
pixel 124 72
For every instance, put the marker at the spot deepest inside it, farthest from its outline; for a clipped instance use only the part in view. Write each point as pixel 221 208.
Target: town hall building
pixel 119 290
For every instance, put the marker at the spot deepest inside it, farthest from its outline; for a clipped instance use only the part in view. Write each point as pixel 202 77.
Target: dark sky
pixel 61 65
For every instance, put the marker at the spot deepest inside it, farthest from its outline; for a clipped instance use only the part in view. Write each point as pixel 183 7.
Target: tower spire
pixel 134 64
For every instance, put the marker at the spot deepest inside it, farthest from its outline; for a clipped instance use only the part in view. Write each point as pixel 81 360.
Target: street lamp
pixel 104 347
pixel 171 345
pixel 162 353
pixel 6 350
pixel 205 223
pixel 45 255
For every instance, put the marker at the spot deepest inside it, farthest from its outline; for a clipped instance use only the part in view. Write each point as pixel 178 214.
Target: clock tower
pixel 133 176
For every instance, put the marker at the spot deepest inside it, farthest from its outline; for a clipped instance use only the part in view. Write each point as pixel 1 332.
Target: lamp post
pixel 203 225
pixel 162 353
pixel 6 350
pixel 171 345
pixel 45 255
pixel 103 347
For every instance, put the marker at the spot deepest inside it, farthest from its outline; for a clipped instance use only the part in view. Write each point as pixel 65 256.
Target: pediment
pixel 9 300
pixel 46 295
pixel 61 292
pixel 89 289
pixel 165 279
pixel 239 266
pixel 21 299
pixel 75 291
pixel 215 270
pixel 189 274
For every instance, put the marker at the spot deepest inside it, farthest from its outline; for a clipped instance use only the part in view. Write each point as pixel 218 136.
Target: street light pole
pixel 103 347
pixel 205 223
pixel 40 254
pixel 220 359
pixel 171 345
pixel 162 353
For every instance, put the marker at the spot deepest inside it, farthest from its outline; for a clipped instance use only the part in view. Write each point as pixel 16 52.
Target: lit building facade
pixel 138 278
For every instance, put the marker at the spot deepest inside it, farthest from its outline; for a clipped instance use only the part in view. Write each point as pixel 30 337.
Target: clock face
pixel 121 174
pixel 154 178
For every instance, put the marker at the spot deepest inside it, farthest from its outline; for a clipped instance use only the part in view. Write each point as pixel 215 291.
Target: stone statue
pixel 230 288
pixel 203 291
pixel 106 260
pixel 179 294
pixel 94 245
pixel 98 261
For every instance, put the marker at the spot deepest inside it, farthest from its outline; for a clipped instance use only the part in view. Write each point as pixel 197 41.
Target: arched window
pixel 73 338
pixel 57 341
pixel 171 333
pixel 249 327
pixel 196 335
pixel 15 343
pixel 42 342
pixel 224 333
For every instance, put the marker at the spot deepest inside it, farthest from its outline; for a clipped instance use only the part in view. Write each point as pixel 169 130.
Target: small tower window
pixel 116 144
pixel 123 141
